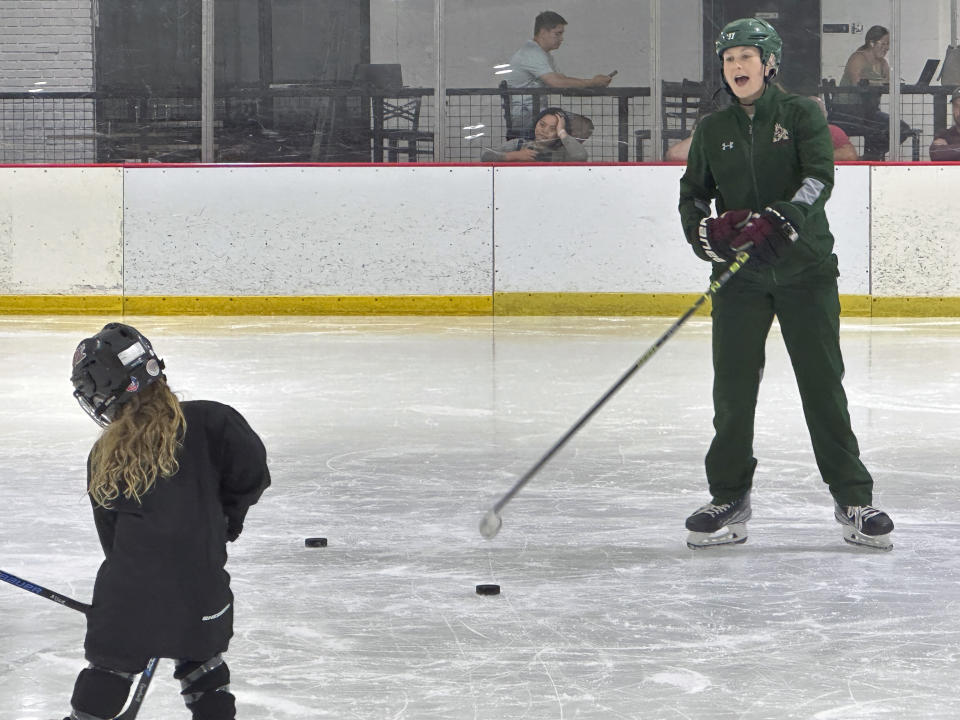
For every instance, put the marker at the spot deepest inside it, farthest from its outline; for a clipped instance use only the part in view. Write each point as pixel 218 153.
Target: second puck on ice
pixel 488 589
pixel 315 542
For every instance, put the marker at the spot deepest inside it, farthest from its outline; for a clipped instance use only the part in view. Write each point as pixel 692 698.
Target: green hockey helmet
pixel 752 32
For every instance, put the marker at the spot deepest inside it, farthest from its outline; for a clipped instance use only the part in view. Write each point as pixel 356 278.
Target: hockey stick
pixel 145 677
pixel 491 522
pixel 140 691
pixel 44 592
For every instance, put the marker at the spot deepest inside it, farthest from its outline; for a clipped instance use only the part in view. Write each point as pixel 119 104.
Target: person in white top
pixel 533 66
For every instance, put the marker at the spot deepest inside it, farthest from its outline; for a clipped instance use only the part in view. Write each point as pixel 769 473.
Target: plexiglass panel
pixel 148 80
pixel 299 80
pixel 345 81
pixel 403 80
pixel 503 68
pixel 928 71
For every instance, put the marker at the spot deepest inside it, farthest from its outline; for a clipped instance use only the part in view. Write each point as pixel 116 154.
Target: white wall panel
pixel 914 234
pixel 61 231
pixel 592 229
pixel 848 211
pixel 425 230
pixel 308 231
pixel 617 229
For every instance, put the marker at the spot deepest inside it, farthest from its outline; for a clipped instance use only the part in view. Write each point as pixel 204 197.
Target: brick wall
pixel 47 41
pixel 46 45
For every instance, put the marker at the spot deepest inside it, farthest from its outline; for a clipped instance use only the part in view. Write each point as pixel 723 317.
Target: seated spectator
pixel 843 149
pixel 532 66
pixel 858 113
pixel 551 143
pixel 946 145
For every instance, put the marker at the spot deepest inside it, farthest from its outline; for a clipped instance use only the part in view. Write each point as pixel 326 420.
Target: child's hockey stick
pixel 145 677
pixel 40 590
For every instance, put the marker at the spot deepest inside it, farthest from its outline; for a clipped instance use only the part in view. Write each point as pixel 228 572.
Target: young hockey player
pixel 170 484
pixel 767 162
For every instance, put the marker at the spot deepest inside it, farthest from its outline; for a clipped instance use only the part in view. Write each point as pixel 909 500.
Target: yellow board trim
pixel 855 306
pixel 310 305
pixel 598 304
pixel 504 304
pixel 916 307
pixel 61 305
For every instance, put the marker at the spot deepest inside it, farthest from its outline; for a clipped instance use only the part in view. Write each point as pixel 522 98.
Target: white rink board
pixel 592 229
pixel 914 235
pixel 61 231
pixel 848 211
pixel 617 229
pixel 308 231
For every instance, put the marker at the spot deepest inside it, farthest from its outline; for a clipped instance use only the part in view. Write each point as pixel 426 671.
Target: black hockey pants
pixel 808 308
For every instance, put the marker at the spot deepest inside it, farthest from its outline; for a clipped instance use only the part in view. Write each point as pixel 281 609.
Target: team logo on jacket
pixel 727 145
pixel 780 133
pixel 133 386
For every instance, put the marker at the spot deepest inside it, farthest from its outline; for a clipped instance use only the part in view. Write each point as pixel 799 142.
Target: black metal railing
pixel 306 123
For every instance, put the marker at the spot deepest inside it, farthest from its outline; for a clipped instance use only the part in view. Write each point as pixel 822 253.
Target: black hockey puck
pixel 315 542
pixel 488 589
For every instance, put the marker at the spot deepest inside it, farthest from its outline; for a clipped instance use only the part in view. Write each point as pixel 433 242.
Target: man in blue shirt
pixel 533 66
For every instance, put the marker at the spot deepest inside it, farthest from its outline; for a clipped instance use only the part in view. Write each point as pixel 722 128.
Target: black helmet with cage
pixel 110 368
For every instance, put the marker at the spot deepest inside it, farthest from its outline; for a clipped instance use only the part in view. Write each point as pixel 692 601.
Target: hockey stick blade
pixel 491 523
pixel 145 677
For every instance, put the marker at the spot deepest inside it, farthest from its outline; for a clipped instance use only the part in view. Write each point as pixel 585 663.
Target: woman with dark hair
pixel 170 483
pixel 858 113
pixel 551 141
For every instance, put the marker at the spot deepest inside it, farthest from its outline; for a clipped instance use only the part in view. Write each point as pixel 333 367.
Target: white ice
pixel 392 436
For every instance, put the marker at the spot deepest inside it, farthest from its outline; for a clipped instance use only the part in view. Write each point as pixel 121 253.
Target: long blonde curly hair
pixel 139 445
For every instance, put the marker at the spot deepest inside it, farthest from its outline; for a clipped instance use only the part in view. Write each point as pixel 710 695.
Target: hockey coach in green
pixel 767 164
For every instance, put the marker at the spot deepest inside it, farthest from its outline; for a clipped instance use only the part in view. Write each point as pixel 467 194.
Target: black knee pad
pixel 100 693
pixel 214 705
pixel 206 689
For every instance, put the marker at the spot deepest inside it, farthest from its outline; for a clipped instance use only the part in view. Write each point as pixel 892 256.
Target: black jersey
pixel 162 589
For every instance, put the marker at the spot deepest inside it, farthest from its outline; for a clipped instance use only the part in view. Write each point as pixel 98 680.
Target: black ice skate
pixel 865 525
pixel 724 524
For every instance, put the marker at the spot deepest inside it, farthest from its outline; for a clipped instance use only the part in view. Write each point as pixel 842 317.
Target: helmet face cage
pixel 752 32
pixel 110 368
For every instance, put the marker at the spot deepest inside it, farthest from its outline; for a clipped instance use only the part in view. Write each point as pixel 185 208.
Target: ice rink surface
pixel 392 436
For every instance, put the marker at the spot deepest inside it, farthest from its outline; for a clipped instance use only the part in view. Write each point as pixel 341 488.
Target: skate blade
pixel 735 534
pixel 877 542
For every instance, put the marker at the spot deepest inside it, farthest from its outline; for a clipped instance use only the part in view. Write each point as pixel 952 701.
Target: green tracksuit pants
pixel 808 308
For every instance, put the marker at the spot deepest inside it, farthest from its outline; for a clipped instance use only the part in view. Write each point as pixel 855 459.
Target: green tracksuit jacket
pixel 782 158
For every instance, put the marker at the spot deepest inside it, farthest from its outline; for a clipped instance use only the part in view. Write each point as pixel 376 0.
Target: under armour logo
pixel 727 145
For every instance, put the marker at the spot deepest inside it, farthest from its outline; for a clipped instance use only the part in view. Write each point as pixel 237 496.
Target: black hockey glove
pixel 770 235
pixel 715 236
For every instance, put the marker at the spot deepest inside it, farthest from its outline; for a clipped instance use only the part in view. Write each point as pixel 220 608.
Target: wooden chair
pixel 401 133
pixel 680 109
